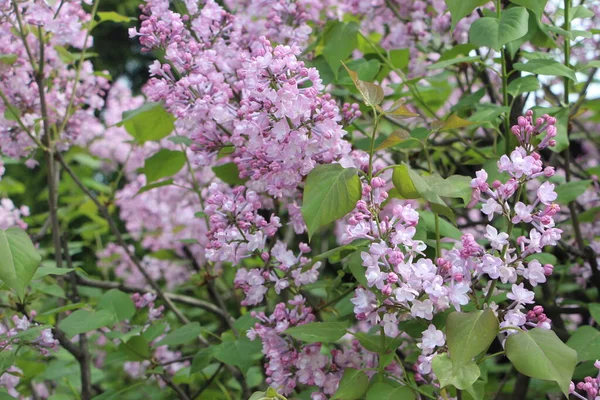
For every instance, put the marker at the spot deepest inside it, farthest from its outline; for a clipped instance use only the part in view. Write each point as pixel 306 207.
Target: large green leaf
pixel 537 6
pixel 570 191
pixel 461 376
pixel 331 192
pixel 241 352
pixel 468 334
pixel 353 386
pixel 372 94
pixel 410 184
pixel 136 348
pixel 546 67
pixel 162 164
pixel 340 42
pixel 202 359
pixel 523 84
pixel 461 8
pixel 229 173
pixel 19 261
pixel 82 321
pixel 403 183
pixel 119 303
pixel 586 341
pixel 447 230
pixel 324 332
pixel 595 311
pixel 150 122
pixel 540 354
pixel 494 33
pixel 183 335
pixel 383 391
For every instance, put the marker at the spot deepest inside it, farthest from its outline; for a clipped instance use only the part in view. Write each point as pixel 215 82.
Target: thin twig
pixel 187 300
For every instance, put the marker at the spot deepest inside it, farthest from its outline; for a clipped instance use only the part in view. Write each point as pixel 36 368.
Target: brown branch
pixel 121 242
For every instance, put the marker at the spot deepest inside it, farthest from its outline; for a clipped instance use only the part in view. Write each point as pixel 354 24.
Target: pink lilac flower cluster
pixel 43 343
pixel 290 364
pixel 409 24
pixel 11 216
pixel 239 231
pixel 403 283
pixel 114 145
pixel 590 386
pixel 75 97
pixel 147 300
pixel 256 100
pixel 282 21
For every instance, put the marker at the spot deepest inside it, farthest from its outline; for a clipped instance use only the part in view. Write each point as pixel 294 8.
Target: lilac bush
pixel 306 200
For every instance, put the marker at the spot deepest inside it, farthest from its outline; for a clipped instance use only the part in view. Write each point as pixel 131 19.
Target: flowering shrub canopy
pixel 333 199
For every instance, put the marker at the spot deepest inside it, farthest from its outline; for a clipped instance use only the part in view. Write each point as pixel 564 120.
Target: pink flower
pixel 497 240
pixel 422 309
pixel 546 193
pixel 521 295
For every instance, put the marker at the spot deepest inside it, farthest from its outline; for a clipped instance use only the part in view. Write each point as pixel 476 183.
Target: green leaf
pixel 400 58
pixel 586 341
pixel 461 8
pixel 19 261
pixel 427 187
pixel 461 376
pixel 118 303
pixel 150 122
pixel 468 334
pixel 353 386
pixel 162 164
pixel 136 348
pixel 12 113
pixel 340 42
pixel 395 138
pixel 522 85
pixel 45 271
pixel 453 61
pixel 180 140
pixel 229 173
pixel 403 183
pixel 580 12
pixel 183 335
pixel 318 332
pixel 372 94
pixel 8 59
pixel 370 342
pixel 7 359
pixel 594 311
pixel 383 391
pixel 154 185
pixel 540 354
pixel 546 68
pixel 82 321
pixel 112 16
pixel 570 191
pixel 494 33
pixel 447 230
pixel 488 113
pixel 202 359
pixel 452 122
pixel 330 193
pixel 398 111
pixel 242 353
pixel 537 6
